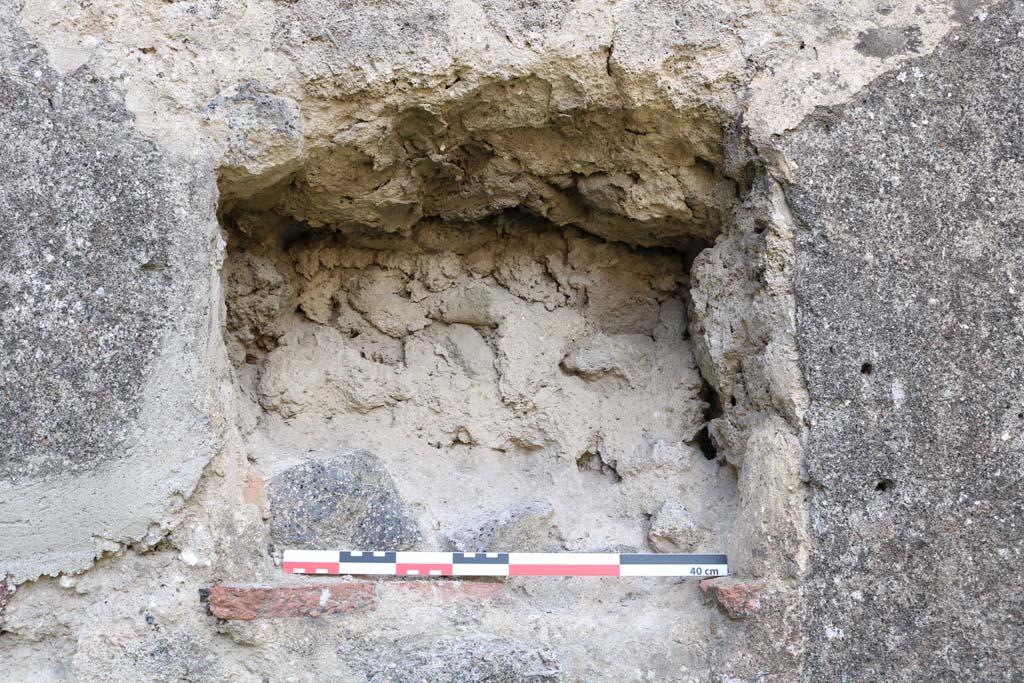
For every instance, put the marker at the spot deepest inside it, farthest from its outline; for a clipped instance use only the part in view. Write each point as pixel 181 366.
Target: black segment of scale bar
pixel 479 558
pixel 672 558
pixel 387 558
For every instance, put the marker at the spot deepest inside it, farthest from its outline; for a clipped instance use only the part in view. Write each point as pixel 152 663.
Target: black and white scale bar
pixel 400 563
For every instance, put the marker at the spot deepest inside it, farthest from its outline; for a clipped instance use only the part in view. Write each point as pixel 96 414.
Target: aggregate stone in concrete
pixel 454 659
pixel 910 302
pixel 525 527
pixel 675 529
pixel 348 501
pixel 6 593
pixel 85 260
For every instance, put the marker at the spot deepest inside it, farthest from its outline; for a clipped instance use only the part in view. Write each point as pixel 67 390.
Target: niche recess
pixel 492 296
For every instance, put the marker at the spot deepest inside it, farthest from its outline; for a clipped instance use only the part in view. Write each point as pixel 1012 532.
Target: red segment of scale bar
pixel 418 569
pixel 563 570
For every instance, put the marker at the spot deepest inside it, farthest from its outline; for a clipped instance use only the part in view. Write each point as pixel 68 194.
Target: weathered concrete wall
pixel 168 172
pixel 107 306
pixel 910 304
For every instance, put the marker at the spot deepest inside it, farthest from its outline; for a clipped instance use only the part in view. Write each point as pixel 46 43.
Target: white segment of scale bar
pixel 382 568
pixel 563 558
pixel 310 555
pixel 479 570
pixel 703 570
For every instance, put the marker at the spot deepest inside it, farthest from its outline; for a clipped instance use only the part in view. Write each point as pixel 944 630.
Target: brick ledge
pixel 317 598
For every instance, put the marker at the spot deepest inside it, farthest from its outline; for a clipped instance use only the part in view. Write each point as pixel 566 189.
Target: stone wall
pixel 590 276
pixel 910 263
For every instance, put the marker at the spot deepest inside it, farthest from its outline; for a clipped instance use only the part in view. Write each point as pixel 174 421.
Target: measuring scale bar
pixel 426 564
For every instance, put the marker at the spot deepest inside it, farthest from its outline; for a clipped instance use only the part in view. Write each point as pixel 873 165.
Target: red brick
pixel 255 492
pixel 319 598
pixel 737 597
pixel 249 601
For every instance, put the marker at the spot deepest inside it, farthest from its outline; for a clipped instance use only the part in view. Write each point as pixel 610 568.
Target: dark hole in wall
pixel 705 164
pixel 705 444
pixel 703 439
